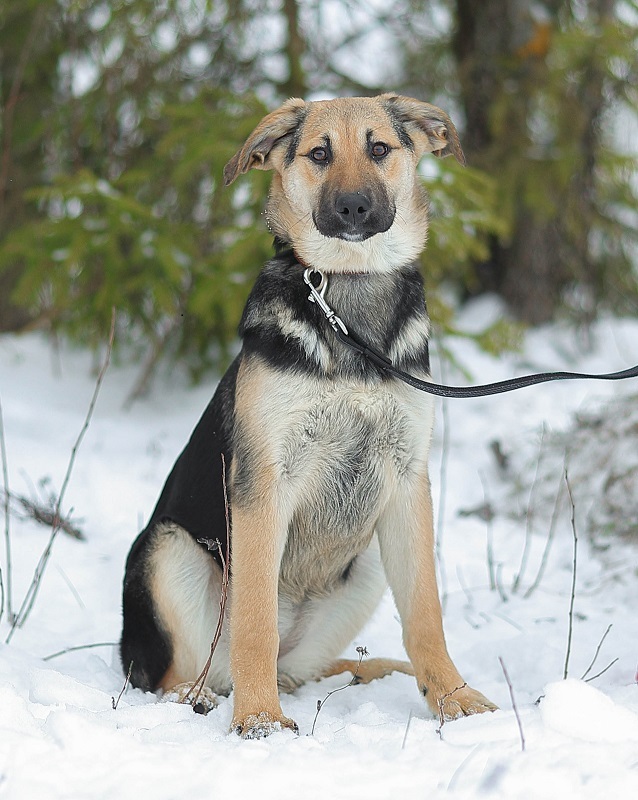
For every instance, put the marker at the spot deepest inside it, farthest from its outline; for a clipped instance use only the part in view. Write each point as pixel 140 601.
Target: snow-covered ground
pixel 61 738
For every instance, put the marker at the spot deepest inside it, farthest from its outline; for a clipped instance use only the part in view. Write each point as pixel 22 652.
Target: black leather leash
pixel 356 343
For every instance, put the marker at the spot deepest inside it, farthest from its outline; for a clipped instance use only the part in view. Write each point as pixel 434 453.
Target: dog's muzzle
pixel 354 216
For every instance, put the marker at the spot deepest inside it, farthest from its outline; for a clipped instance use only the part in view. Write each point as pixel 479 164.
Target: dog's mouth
pixel 354 237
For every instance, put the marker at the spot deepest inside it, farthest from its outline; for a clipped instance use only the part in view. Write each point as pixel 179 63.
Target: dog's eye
pixel 379 150
pixel 319 154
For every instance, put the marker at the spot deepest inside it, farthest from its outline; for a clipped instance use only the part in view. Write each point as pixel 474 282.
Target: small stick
pixel 7 533
pixel 440 702
pixel 78 647
pixel 29 599
pixel 114 702
pixel 514 707
pixel 593 661
pixel 573 590
pixel 602 671
pixel 529 519
pixel 440 523
pixel 407 728
pixel 548 543
pixel 321 703
pixel 215 545
pixel 489 537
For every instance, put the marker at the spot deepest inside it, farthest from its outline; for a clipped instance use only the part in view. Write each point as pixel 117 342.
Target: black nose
pixel 353 208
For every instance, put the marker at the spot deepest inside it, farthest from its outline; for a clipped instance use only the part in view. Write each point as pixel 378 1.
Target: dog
pixel 328 490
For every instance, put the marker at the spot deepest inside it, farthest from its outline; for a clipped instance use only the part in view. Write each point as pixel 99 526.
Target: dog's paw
pixel 186 693
pixel 460 702
pixel 258 726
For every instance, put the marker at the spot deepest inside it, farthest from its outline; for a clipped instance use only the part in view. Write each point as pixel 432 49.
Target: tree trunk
pixel 500 48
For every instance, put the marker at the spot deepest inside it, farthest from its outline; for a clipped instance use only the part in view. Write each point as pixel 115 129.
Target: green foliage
pixel 117 117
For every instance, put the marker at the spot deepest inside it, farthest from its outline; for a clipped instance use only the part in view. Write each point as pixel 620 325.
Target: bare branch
pixel 548 542
pixel 114 702
pixel 574 566
pixel 6 592
pixel 515 709
pixel 529 518
pixel 602 671
pixel 445 454
pixel 32 591
pixel 593 661
pixel 321 703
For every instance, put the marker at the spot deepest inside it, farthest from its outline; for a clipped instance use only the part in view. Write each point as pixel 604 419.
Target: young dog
pixel 327 456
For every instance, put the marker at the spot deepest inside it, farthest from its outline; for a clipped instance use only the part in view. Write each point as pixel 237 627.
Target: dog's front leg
pixel 406 538
pixel 254 639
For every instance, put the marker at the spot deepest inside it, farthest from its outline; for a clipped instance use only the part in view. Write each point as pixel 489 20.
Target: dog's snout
pixel 353 208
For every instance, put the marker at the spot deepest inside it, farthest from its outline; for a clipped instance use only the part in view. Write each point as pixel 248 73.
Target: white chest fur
pixel 340 450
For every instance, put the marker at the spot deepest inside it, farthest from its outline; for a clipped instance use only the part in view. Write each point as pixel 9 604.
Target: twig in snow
pixel 78 647
pixel 43 513
pixel 321 703
pixel 6 592
pixel 602 671
pixel 114 702
pixel 574 566
pixel 529 519
pixel 440 522
pixel 548 542
pixel 440 703
pixel 215 544
pixel 32 591
pixel 489 535
pixel 514 707
pixel 407 728
pixel 596 654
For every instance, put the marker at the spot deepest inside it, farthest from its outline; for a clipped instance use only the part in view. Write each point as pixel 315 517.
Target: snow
pixel 61 738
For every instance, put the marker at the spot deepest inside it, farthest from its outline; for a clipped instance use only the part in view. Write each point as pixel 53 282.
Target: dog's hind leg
pixel 171 609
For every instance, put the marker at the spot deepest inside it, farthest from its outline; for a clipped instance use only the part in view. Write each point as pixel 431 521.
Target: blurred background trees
pixel 118 115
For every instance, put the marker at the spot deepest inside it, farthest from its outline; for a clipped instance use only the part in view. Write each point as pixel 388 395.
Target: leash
pixel 356 343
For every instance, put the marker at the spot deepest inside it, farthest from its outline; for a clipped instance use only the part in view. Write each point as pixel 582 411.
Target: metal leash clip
pixel 317 295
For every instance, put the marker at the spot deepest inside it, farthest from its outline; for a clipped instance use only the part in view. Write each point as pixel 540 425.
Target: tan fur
pixel 369 669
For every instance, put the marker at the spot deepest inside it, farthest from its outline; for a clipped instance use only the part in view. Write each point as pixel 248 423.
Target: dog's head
pixel 345 193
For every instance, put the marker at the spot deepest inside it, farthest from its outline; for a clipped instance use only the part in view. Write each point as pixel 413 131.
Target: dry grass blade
pixel 32 591
pixel 43 513
pixel 78 647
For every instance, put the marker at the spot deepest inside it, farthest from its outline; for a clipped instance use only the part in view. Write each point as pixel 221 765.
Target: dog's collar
pixel 347 272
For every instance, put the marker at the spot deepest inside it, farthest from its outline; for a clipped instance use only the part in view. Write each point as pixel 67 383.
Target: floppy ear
pixel 271 130
pixel 429 126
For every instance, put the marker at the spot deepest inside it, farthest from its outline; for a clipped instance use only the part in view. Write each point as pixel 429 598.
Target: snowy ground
pixel 61 738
